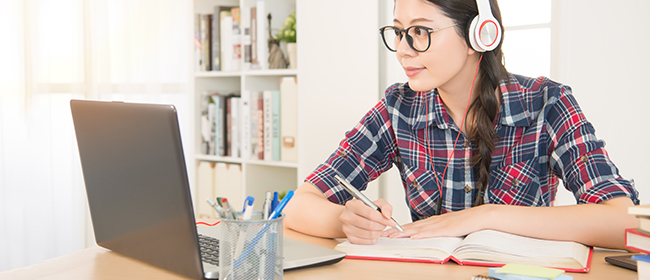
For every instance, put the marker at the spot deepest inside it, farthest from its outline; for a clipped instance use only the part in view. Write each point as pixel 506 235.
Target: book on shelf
pixel 262 35
pixel 267 97
pixel 289 119
pixel 481 248
pixel 218 124
pixel 236 40
pixel 275 125
pixel 206 45
pixel 206 129
pixel 198 51
pixel 259 143
pixel 226 41
pixel 216 36
pixel 253 38
pixel 245 124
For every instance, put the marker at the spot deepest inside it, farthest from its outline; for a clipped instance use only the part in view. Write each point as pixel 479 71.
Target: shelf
pixel 235 160
pixel 251 73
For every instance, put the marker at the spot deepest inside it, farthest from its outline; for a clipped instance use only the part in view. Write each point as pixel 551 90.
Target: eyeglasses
pixel 418 37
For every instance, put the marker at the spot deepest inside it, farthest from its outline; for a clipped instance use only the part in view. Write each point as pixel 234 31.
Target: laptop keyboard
pixel 209 249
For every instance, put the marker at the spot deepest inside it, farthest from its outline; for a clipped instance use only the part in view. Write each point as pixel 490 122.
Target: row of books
pixel 234 39
pixel 258 125
pixel 638 239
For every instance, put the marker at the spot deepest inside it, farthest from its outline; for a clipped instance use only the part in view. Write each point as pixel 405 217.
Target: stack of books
pixel 638 239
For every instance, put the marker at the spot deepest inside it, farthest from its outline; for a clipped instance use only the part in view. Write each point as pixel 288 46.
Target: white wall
pixel 598 50
pixel 601 54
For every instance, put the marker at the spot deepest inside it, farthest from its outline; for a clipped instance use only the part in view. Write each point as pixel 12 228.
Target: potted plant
pixel 288 35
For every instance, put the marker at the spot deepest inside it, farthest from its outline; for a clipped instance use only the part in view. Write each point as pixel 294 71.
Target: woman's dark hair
pixel 486 106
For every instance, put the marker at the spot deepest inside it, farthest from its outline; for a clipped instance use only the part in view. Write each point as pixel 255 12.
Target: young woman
pixel 477 147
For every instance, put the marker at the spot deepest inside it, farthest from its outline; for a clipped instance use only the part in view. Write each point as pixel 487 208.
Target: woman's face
pixel 447 56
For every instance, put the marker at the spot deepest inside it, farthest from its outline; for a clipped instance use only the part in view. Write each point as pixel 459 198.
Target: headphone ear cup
pixel 471 35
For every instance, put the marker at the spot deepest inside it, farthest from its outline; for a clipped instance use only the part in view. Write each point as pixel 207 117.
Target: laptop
pixel 138 190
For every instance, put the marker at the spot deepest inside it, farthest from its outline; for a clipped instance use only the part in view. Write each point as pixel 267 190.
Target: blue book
pixel 643 258
pixel 503 276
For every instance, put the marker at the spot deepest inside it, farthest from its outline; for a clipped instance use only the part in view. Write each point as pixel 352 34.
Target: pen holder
pixel 251 249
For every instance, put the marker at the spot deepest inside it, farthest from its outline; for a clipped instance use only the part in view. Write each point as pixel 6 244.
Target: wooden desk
pixel 99 263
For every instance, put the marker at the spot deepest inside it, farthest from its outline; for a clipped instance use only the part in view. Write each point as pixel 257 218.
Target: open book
pixel 482 248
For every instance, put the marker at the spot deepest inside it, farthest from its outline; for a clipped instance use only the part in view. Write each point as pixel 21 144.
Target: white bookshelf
pixel 332 96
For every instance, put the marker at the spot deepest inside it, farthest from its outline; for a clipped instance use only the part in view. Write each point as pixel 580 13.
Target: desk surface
pixel 99 263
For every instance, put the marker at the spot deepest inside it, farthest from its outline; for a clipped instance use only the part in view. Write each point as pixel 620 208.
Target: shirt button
pixel 466 144
pixel 468 189
pixel 584 159
pixel 515 182
pixel 343 153
pixel 415 184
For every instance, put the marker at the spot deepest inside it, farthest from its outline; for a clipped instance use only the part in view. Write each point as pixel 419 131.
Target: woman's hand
pixel 452 224
pixel 364 225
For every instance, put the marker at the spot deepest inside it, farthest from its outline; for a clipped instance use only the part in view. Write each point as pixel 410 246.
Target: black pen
pixel 358 195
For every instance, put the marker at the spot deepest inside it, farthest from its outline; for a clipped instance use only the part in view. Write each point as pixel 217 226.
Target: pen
pixel 248 208
pixel 266 207
pixel 278 209
pixel 274 202
pixel 358 195
pixel 228 212
pixel 216 207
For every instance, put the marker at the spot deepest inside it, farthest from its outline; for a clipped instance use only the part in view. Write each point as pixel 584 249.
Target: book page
pixel 500 247
pixel 433 248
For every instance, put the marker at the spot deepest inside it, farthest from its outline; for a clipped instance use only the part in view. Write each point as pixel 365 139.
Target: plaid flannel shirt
pixel 543 137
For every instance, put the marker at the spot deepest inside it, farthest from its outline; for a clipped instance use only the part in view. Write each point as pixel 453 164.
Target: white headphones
pixel 484 30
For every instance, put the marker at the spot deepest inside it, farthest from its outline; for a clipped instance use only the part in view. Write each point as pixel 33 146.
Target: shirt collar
pixel 513 110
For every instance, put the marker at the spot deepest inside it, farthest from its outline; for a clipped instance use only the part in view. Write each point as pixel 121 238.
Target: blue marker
pixel 275 201
pixel 278 210
pixel 248 208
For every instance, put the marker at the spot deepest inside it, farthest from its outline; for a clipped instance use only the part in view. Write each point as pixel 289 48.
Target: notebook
pixel 138 190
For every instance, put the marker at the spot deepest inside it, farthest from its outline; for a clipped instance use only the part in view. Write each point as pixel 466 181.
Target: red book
pixel 637 240
pixel 481 248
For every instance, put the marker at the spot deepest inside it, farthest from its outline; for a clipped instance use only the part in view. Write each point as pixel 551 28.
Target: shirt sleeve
pixel 366 151
pixel 580 158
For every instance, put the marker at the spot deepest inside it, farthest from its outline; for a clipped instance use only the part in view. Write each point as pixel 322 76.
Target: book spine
pixel 235 131
pixel 260 127
pixel 215 56
pixel 245 122
pixel 236 58
pixel 226 41
pixel 254 128
pixel 212 121
pixel 198 49
pixel 253 35
pixel 262 36
pixel 275 125
pixel 289 119
pixel 205 41
pixel 268 124
pixel 205 124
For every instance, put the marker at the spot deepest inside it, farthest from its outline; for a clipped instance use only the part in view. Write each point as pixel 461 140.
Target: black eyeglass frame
pixel 409 39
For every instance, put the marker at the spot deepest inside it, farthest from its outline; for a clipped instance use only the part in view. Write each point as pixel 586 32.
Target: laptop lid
pixel 136 182
pixel 138 191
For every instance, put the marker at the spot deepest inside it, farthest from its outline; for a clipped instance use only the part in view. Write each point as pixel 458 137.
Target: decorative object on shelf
pixel 288 35
pixel 276 57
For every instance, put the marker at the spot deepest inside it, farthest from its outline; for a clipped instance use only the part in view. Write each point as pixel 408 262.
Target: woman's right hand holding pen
pixel 364 225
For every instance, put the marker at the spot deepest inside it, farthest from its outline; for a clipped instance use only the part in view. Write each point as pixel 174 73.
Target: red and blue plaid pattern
pixel 544 137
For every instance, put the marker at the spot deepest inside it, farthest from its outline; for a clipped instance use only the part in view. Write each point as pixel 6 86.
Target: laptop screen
pixel 136 182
